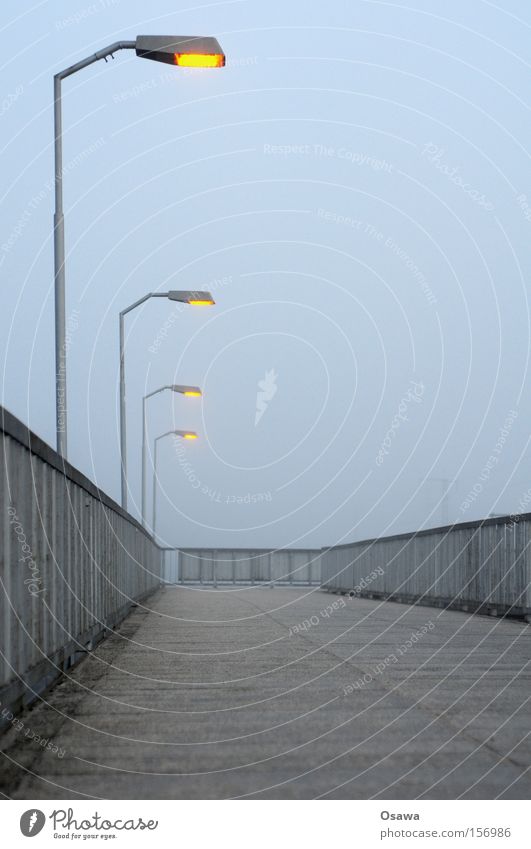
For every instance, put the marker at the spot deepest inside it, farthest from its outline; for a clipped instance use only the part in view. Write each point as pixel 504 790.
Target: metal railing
pixel 213 566
pixel 481 567
pixel 72 563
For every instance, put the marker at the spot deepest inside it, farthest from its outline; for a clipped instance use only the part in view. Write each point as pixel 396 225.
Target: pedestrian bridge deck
pixel 275 693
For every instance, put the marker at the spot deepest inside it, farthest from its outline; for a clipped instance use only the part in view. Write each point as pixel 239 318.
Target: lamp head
pixel 186 51
pixel 185 434
pixel 196 299
pixel 189 391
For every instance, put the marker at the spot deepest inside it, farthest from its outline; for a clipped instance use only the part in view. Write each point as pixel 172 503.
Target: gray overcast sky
pixel 354 187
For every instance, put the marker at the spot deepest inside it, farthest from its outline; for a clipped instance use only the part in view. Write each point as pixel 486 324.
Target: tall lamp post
pixel 188 392
pixel 181 50
pixel 185 297
pixel 185 434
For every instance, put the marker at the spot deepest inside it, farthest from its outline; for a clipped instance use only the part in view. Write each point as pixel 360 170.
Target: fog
pixel 354 190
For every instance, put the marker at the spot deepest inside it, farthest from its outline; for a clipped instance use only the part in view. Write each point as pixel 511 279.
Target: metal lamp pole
pixel 183 51
pixel 59 243
pixel 186 434
pixel 187 297
pixel 192 391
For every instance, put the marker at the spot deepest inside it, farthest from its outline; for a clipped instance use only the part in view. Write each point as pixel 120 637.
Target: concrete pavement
pixel 284 693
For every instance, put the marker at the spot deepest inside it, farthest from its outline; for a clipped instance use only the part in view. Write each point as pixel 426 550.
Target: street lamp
pixel 185 297
pixel 185 434
pixel 188 392
pixel 179 50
